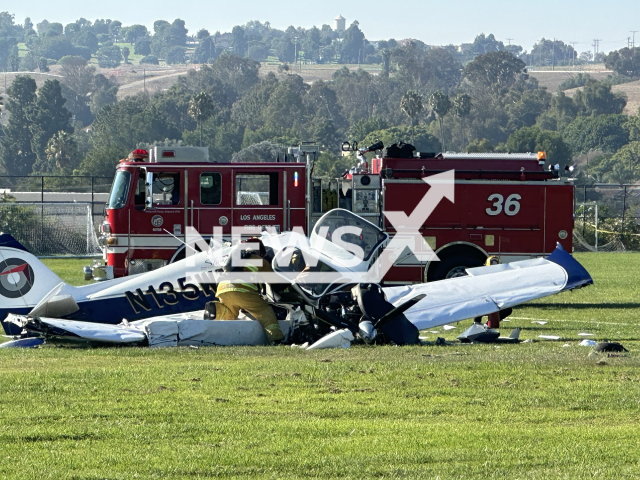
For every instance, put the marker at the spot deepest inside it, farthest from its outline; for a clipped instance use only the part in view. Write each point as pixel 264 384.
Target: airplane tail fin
pixel 24 280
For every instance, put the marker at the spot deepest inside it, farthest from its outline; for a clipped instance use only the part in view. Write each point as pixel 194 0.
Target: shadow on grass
pixel 584 305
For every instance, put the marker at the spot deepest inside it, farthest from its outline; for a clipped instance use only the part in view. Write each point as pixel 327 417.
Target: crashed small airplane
pixel 320 287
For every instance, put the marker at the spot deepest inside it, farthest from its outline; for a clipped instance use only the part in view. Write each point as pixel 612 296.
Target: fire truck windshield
pixel 119 189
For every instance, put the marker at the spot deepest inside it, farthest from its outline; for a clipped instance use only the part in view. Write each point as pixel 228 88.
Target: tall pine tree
pixel 49 117
pixel 15 153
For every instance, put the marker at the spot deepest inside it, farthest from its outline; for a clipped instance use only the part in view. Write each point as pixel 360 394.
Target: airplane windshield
pixel 341 234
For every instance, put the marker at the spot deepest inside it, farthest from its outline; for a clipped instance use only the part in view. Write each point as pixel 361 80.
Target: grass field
pixel 535 410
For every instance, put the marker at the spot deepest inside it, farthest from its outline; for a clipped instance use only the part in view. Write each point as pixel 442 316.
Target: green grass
pixel 69 270
pixel 531 411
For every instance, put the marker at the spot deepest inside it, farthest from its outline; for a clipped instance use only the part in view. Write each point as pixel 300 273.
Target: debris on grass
pixel 588 343
pixel 539 322
pixel 610 347
pixel 549 337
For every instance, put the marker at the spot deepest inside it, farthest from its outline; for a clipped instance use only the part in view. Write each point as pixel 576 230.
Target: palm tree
pixel 201 108
pixel 462 107
pixel 440 105
pixel 412 105
pixel 60 149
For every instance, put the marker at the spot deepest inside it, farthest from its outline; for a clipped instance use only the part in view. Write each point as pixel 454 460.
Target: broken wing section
pixel 490 289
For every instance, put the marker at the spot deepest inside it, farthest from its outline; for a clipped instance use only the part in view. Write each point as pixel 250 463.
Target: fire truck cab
pixel 153 200
pixel 506 205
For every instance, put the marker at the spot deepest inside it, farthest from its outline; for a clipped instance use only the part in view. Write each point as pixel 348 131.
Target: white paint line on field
pixel 579 321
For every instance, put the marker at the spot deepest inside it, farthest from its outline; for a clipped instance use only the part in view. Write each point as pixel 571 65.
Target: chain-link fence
pixel 48 229
pixel 54 215
pixel 607 217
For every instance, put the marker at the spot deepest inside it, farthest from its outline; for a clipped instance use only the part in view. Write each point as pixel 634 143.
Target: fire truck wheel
pixel 453 267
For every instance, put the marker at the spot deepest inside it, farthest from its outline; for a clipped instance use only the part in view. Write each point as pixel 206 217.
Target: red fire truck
pixel 507 205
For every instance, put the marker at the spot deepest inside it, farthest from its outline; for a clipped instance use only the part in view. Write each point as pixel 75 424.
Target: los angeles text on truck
pixel 506 205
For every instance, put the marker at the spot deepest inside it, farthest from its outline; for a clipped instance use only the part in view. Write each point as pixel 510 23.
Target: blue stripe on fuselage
pixel 113 310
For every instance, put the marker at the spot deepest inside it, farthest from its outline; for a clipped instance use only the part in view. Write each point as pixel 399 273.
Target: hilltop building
pixel 340 23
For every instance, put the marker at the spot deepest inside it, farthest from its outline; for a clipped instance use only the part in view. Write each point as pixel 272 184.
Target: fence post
pixel 624 207
pixel 92 198
pixel 41 213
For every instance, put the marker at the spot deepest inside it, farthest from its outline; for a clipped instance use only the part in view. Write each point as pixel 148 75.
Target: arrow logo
pixel 408 227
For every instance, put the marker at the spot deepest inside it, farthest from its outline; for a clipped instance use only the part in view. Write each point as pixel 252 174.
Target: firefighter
pixel 236 296
pixel 492 260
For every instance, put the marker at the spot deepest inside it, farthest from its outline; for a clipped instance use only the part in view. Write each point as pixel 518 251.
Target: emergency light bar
pixel 178 154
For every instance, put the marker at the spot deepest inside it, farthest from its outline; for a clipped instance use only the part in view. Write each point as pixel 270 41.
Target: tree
pixel 625 61
pixel 16 153
pixel 532 139
pixel 240 73
pixel 150 59
pixel 102 160
pixel 311 44
pixel 239 41
pixel 440 105
pixel 596 98
pixel 602 132
pixel 104 92
pixel 200 109
pixel 262 152
pixel 109 57
pixel 484 44
pixel 142 46
pixel 202 34
pixel 411 105
pixel 43 65
pixel 77 75
pixel 494 71
pixel 61 152
pixel 49 116
pixel 175 55
pixel 352 46
pixel 419 136
pixel 627 160
pixel 125 54
pixel 134 32
pixel 552 52
pixel 462 105
pixel 426 71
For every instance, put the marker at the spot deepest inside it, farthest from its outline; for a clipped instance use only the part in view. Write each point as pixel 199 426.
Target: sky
pixel 435 23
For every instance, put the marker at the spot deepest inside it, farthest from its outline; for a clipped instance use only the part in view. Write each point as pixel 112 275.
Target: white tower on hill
pixel 340 23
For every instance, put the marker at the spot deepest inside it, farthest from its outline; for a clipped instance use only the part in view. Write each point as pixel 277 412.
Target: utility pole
pixel 574 53
pixel 144 80
pixel 553 55
pixel 509 40
pixel 633 41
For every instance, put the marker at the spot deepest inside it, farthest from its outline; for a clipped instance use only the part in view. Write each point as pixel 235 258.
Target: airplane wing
pixel 490 289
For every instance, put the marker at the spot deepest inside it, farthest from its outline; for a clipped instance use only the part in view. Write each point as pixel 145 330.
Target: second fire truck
pixel 508 205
